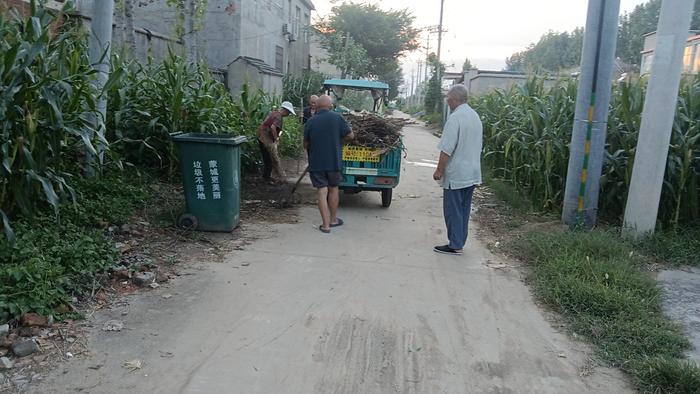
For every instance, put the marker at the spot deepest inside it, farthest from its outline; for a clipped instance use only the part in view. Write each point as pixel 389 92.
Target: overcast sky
pixel 487 31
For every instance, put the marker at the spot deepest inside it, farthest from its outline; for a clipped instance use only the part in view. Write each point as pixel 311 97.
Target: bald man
pixel 459 167
pixel 310 111
pixel 324 135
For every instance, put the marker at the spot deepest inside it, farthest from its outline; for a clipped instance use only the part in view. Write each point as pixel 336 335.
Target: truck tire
pixel 386 197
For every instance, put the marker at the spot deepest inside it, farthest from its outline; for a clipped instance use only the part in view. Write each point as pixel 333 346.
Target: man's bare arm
pixel 442 164
pixel 349 137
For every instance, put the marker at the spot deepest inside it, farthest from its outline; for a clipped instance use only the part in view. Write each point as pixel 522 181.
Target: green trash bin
pixel 211 176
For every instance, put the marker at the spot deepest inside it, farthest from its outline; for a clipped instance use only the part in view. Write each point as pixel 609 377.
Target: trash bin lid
pixel 221 139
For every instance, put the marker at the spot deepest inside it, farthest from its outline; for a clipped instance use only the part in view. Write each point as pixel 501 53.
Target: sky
pixel 487 32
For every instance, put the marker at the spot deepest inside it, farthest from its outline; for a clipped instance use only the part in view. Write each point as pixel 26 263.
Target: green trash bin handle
pixel 221 139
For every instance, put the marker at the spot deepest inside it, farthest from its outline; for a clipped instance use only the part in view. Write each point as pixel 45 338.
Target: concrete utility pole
pixel 591 118
pixel 99 47
pixel 129 30
pixel 190 30
pixel 657 118
pixel 439 48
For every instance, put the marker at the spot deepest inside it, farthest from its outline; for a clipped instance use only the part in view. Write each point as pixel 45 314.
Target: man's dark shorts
pixel 320 179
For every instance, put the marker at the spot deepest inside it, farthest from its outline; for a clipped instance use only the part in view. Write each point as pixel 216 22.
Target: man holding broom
pixel 268 138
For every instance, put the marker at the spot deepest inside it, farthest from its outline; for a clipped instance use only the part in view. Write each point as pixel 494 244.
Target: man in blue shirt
pixel 324 135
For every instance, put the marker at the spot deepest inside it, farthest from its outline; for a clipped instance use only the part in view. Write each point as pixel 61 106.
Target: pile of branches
pixel 374 131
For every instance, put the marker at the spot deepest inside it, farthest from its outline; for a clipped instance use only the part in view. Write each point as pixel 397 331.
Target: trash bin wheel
pixel 187 221
pixel 386 197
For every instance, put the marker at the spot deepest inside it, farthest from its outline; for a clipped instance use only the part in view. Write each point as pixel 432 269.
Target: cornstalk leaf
pixel 9 234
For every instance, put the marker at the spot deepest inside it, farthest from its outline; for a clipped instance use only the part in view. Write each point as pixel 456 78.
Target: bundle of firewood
pixel 374 131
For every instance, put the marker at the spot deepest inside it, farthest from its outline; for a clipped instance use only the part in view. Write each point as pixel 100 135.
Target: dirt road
pixel 369 308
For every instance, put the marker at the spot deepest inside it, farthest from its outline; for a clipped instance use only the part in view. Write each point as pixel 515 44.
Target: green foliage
pixel 467 65
pixel 299 88
pixel 357 100
pixel 553 52
pixel 676 247
pixel 661 375
pixel 292 141
pixel 556 51
pixel 433 119
pixel 110 199
pixel 385 36
pixel 640 21
pixel 349 56
pixel 45 107
pixel 48 264
pixel 151 101
pixel 528 128
pixel 594 280
pixel 52 261
pixel 433 94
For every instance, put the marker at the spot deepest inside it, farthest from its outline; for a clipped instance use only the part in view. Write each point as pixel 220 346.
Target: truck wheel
pixel 187 222
pixel 386 197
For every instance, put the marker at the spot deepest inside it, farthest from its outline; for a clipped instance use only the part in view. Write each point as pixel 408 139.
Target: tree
pixel 640 21
pixel 385 37
pixel 467 65
pixel 553 52
pixel 556 51
pixel 347 55
pixel 433 95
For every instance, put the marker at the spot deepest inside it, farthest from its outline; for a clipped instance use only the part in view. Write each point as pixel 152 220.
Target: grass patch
pixel 433 119
pixel 659 375
pixel 54 260
pixel 594 280
pixel 507 193
pixel 674 247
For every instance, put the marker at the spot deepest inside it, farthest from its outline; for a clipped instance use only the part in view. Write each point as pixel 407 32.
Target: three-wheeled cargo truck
pixel 367 169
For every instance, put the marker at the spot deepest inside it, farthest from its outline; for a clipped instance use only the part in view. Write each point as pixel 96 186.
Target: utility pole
pixel 190 30
pixel 129 31
pixel 439 48
pixel 591 118
pixel 427 56
pixel 99 49
pixel 657 118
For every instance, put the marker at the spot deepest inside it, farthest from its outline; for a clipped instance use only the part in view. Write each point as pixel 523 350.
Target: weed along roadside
pixel 602 286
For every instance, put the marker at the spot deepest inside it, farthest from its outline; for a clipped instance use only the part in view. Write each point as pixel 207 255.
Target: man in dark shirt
pixel 324 135
pixel 310 111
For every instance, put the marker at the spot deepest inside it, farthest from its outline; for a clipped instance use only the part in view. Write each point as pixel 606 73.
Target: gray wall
pixel 240 73
pixel 234 28
pixel 155 44
pixel 261 27
pixel 483 82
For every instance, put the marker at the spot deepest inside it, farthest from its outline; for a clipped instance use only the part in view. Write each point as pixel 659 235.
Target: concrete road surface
pixel 369 308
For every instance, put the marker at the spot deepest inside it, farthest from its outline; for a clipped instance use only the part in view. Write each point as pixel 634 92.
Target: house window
pixel 307 22
pixel 697 58
pixel 687 59
pixel 647 60
pixel 279 57
pixel 297 22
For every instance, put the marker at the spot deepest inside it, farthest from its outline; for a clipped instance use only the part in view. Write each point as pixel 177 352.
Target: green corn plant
pixel 150 101
pixel 46 101
pixel 527 130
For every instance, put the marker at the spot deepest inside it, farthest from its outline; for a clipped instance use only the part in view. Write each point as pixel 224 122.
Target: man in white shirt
pixel 459 167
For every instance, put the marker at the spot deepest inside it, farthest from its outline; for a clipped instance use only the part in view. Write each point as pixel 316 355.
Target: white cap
pixel 289 107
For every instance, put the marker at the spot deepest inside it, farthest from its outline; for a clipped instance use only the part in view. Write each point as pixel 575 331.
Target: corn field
pixel 527 131
pixel 47 104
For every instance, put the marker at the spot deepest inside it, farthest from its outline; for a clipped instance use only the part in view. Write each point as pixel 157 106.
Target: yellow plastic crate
pixel 360 153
